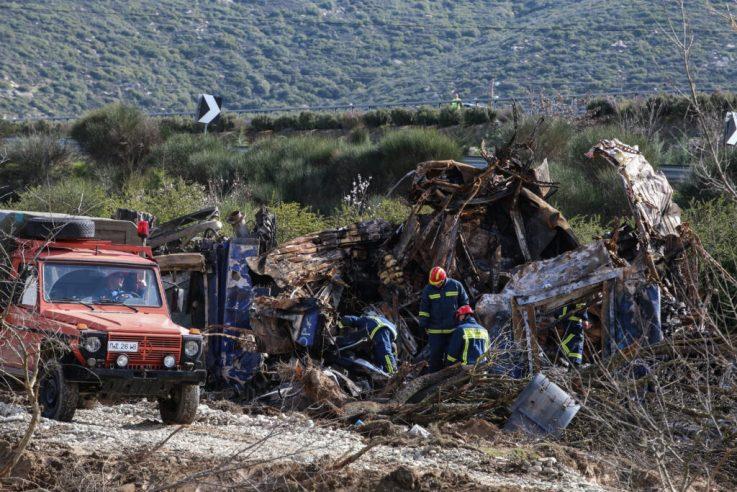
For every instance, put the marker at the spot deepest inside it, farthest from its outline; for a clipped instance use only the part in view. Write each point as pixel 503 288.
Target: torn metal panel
pixel 281 324
pixel 319 256
pixel 548 277
pixel 181 262
pixel 650 194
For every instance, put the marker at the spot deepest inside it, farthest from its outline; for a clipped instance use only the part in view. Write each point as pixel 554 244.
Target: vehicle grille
pixel 151 350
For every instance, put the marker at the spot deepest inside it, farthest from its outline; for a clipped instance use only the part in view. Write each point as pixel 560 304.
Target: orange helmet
pixel 464 310
pixel 437 276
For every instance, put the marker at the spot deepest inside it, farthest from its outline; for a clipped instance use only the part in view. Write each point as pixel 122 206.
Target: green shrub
pixel 602 108
pixel 587 227
pixel 306 120
pixel 597 191
pixel 359 136
pixel 376 118
pixel 402 117
pixel 350 120
pixel 426 116
pixel 172 125
pixel 117 135
pixel 161 195
pixel 713 221
pixel 285 122
pixel 327 121
pixel 262 123
pixel 74 196
pixel 449 116
pixel 187 155
pixel 294 220
pixel 33 160
pixel 476 116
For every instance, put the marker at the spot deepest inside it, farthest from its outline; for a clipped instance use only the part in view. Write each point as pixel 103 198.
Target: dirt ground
pixel 126 447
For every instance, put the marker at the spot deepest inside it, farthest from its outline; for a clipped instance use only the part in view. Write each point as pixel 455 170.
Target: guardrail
pixel 675 174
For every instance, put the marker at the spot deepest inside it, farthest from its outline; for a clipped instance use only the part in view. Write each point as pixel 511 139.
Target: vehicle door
pixel 20 335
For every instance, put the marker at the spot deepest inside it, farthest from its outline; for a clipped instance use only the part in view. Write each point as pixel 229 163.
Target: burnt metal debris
pixel 277 306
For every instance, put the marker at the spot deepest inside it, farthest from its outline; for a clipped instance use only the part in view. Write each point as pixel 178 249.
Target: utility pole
pixel 491 92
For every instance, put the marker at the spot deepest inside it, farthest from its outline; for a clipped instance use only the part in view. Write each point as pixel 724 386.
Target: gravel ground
pixel 224 437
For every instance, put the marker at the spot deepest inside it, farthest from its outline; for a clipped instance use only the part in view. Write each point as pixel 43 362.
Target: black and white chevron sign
pixel 208 108
pixel 730 129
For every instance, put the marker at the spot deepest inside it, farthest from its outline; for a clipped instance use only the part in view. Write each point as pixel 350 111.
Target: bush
pixel 602 108
pixel 714 221
pixel 350 120
pixel 306 121
pixel 476 116
pixel 117 135
pixel 33 160
pixel 327 121
pixel 376 118
pixel 172 125
pixel 262 123
pixel 427 116
pixel 595 192
pixel 587 227
pixel 73 196
pixel 402 117
pixel 449 116
pixel 285 122
pixel 161 195
pixel 294 220
pixel 359 136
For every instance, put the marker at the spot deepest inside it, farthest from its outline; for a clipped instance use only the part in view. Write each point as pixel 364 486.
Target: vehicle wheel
pixel 58 398
pixel 59 229
pixel 181 406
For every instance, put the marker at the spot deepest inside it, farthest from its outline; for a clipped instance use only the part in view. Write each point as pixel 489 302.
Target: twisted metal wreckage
pixel 269 309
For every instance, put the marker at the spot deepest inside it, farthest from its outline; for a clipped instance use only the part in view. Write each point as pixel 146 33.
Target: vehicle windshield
pixel 100 284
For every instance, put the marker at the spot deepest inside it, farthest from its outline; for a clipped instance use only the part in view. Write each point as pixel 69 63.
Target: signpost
pixel 730 129
pixel 208 109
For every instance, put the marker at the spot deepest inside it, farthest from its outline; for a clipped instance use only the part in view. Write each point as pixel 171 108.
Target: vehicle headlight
pixel 191 348
pixel 92 344
pixel 170 361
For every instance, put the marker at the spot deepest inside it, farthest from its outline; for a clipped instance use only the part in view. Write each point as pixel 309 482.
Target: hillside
pixel 63 57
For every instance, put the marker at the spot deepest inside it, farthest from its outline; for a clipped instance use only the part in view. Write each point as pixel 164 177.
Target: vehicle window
pixel 100 284
pixel 30 290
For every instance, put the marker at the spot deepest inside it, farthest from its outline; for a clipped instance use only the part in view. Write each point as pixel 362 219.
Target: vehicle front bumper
pixel 131 382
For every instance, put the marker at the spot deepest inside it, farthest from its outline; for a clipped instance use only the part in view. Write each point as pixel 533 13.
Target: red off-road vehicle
pixel 94 314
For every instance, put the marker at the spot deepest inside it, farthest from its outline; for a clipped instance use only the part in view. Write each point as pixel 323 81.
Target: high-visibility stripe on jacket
pixel 439 304
pixel 469 342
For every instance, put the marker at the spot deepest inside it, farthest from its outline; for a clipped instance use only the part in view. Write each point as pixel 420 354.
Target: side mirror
pixel 177 300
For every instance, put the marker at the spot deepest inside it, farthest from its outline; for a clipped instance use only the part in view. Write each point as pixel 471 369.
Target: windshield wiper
pixel 109 302
pixel 74 301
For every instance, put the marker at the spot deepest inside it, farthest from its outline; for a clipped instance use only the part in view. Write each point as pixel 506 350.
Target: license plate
pixel 113 346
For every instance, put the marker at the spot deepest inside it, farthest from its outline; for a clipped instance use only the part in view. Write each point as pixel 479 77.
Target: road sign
pixel 730 129
pixel 208 108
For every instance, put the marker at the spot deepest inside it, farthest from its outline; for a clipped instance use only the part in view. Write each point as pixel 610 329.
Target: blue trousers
pixel 438 344
pixel 383 350
pixel 572 343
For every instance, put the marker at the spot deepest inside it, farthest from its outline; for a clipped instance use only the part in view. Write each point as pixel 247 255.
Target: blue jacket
pixel 381 333
pixel 469 341
pixel 438 306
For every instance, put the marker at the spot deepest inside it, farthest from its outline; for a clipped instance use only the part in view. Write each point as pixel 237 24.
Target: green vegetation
pixel 64 57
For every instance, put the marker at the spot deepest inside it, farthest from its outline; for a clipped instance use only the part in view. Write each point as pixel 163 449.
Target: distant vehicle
pixel 93 313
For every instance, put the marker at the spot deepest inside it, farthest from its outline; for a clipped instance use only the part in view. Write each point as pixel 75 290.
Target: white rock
pixel 419 431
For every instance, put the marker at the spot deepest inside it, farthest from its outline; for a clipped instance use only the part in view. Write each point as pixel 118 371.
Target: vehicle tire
pixel 181 406
pixel 57 397
pixel 59 229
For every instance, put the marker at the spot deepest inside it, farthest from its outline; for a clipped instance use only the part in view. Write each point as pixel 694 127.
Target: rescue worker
pixel 456 103
pixel 439 301
pixel 379 331
pixel 575 319
pixel 470 341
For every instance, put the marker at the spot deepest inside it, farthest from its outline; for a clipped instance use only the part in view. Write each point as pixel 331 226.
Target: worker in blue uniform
pixel 376 330
pixel 439 301
pixel 575 320
pixel 469 342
